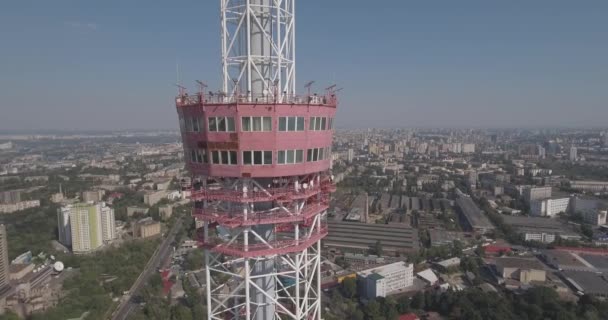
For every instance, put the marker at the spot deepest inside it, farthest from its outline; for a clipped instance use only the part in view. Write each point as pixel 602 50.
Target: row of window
pixel 229 157
pixel 255 124
pixel 317 154
pixel 320 123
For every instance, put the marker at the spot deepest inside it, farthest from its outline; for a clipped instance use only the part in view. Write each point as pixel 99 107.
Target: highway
pixel 127 304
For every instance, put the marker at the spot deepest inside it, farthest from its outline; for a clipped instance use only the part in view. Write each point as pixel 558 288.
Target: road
pixel 127 304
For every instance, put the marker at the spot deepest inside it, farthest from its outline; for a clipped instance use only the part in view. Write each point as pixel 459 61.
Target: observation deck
pixel 328 99
pixel 266 249
pixel 238 219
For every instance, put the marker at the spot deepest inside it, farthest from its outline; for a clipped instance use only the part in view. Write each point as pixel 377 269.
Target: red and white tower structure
pixel 260 157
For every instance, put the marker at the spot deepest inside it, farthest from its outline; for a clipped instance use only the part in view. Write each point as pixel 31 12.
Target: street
pixel 164 250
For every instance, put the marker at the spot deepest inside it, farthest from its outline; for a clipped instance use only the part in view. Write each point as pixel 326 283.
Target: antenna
pixel 330 88
pixel 182 89
pixel 177 70
pixel 308 85
pixel 201 86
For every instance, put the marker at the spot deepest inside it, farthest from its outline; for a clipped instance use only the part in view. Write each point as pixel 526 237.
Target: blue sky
pixel 111 64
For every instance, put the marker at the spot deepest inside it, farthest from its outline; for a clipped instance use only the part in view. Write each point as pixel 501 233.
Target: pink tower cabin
pixel 260 157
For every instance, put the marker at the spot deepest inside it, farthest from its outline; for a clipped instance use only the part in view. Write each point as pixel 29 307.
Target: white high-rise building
pixel 63 225
pixel 468 148
pixel 108 224
pixel 351 155
pixel 85 227
pixel 573 154
pixel 4 268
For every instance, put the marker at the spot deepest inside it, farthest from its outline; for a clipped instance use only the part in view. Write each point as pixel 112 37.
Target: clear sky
pixel 85 64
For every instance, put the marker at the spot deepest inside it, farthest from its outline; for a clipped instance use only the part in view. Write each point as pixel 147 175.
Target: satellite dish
pixel 58 266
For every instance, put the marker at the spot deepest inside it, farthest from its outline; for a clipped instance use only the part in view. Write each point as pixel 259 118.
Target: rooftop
pixel 520 263
pixel 473 214
pixel 358 235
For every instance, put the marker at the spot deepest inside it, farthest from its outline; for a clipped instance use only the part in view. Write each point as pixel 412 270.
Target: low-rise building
pixel 165 212
pixel 549 207
pixel 540 229
pixel 444 265
pixel 536 193
pixel 382 281
pixel 146 228
pixel 23 205
pixel 523 270
pixel 153 197
pixel 589 185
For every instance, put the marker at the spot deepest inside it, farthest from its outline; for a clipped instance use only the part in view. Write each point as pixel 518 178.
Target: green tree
pixel 418 301
pixel 180 312
pixel 587 231
pixel 349 287
pixel 378 249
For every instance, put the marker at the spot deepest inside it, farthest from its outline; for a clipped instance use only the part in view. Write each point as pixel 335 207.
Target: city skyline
pixel 109 66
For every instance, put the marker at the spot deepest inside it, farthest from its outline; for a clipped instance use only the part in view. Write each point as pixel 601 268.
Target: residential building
pixel 22 205
pixel 85 226
pixel 146 228
pixel 63 225
pixel 133 210
pixel 92 196
pixel 468 148
pixel 573 154
pixel 108 224
pixel 382 281
pixel 10 197
pixel 351 155
pixel 4 262
pixel 152 198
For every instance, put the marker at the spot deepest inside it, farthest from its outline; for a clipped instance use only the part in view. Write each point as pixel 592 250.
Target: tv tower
pixel 260 158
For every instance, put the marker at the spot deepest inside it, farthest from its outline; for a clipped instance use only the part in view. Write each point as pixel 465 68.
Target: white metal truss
pixel 285 286
pixel 258 49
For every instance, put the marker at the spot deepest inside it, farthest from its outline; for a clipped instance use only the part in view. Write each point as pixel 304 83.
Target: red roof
pixel 496 249
pixel 409 316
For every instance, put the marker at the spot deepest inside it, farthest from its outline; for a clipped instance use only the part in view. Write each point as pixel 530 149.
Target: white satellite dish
pixel 58 266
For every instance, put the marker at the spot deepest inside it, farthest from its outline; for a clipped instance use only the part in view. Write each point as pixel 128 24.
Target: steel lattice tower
pixel 260 159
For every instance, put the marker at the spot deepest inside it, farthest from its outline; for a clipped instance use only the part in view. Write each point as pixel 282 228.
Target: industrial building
pixel 549 207
pixel 385 280
pixel 589 283
pixel 394 238
pixel 589 185
pixel 536 193
pixel 523 270
pixel 474 219
pixel 540 229
pixel 260 155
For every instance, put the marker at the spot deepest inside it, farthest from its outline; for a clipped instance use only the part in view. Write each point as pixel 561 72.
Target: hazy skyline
pixel 111 65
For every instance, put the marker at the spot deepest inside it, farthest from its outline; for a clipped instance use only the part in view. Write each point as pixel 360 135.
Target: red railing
pixel 272 248
pixel 235 220
pixel 270 194
pixel 329 99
